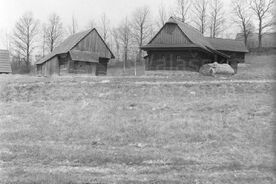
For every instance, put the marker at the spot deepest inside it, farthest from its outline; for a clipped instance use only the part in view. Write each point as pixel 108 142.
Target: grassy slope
pixel 75 130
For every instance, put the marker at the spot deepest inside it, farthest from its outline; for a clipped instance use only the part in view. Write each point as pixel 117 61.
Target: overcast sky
pixel 83 10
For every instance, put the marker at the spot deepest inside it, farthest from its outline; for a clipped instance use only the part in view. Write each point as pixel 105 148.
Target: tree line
pixel 125 39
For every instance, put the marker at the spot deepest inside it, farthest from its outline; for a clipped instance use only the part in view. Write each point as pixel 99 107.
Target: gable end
pixel 170 34
pixel 94 43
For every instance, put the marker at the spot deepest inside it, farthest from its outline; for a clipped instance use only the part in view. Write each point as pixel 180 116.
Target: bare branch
pixel 25 32
pixel 262 10
pixel 104 26
pixel 141 28
pixel 124 31
pixel 217 18
pixel 162 16
pixel 73 28
pixel 54 32
pixel 200 10
pixel 242 17
pixel 182 9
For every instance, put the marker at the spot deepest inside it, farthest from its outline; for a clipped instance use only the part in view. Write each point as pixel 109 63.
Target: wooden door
pixel 101 68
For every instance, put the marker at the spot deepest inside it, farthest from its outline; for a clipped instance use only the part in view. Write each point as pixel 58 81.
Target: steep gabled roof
pixel 227 44
pixel 5 65
pixel 196 37
pixel 193 34
pixel 70 43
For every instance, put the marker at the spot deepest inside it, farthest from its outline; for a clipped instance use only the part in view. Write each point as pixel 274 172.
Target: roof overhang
pixel 167 47
pixel 219 53
pixel 224 50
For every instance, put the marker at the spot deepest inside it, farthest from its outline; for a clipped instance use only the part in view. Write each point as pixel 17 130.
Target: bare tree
pixel 217 18
pixel 104 26
pixel 115 35
pixel 200 13
pixel 273 10
pixel 141 29
pixel 242 17
pixel 44 34
pixel 73 28
pixel 25 32
pixel 124 31
pixel 162 16
pixel 182 9
pixel 261 9
pixel 54 32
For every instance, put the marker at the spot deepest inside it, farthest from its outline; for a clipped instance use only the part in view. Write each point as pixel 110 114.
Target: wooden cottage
pixel 81 53
pixel 5 65
pixel 179 46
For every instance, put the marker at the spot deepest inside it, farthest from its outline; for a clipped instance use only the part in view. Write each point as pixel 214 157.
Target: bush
pixel 19 67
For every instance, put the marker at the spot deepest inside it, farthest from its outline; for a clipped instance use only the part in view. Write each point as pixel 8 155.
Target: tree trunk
pixel 135 70
pixel 52 45
pixel 125 59
pixel 260 34
pixel 260 41
pixel 245 40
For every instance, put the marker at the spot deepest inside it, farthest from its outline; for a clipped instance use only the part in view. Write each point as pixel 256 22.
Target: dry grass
pixel 258 67
pixel 101 132
pixel 119 130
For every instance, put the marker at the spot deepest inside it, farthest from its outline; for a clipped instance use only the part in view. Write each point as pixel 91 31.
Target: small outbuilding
pixel 179 46
pixel 81 53
pixel 5 65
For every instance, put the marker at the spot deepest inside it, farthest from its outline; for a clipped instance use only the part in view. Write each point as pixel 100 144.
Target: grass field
pixel 138 129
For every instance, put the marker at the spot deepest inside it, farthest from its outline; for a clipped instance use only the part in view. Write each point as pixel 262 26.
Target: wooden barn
pixel 5 65
pixel 81 53
pixel 179 46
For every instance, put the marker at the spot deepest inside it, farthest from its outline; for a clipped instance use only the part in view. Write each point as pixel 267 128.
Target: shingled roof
pixel 198 40
pixel 68 44
pixel 193 34
pixel 5 65
pixel 227 44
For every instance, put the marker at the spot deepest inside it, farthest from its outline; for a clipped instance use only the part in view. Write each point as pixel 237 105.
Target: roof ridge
pixel 222 38
pixel 179 20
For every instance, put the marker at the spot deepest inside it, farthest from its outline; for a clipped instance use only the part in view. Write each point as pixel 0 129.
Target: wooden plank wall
pixel 80 67
pixel 50 67
pixel 5 65
pixel 170 35
pixel 93 43
pixel 182 60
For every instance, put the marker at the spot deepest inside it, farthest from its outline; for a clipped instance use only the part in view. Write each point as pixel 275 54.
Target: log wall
pixel 177 60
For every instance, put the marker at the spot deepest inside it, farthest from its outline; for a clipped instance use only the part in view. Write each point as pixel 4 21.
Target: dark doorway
pixel 101 68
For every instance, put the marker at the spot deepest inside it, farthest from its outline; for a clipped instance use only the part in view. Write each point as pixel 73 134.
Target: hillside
pixel 137 129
